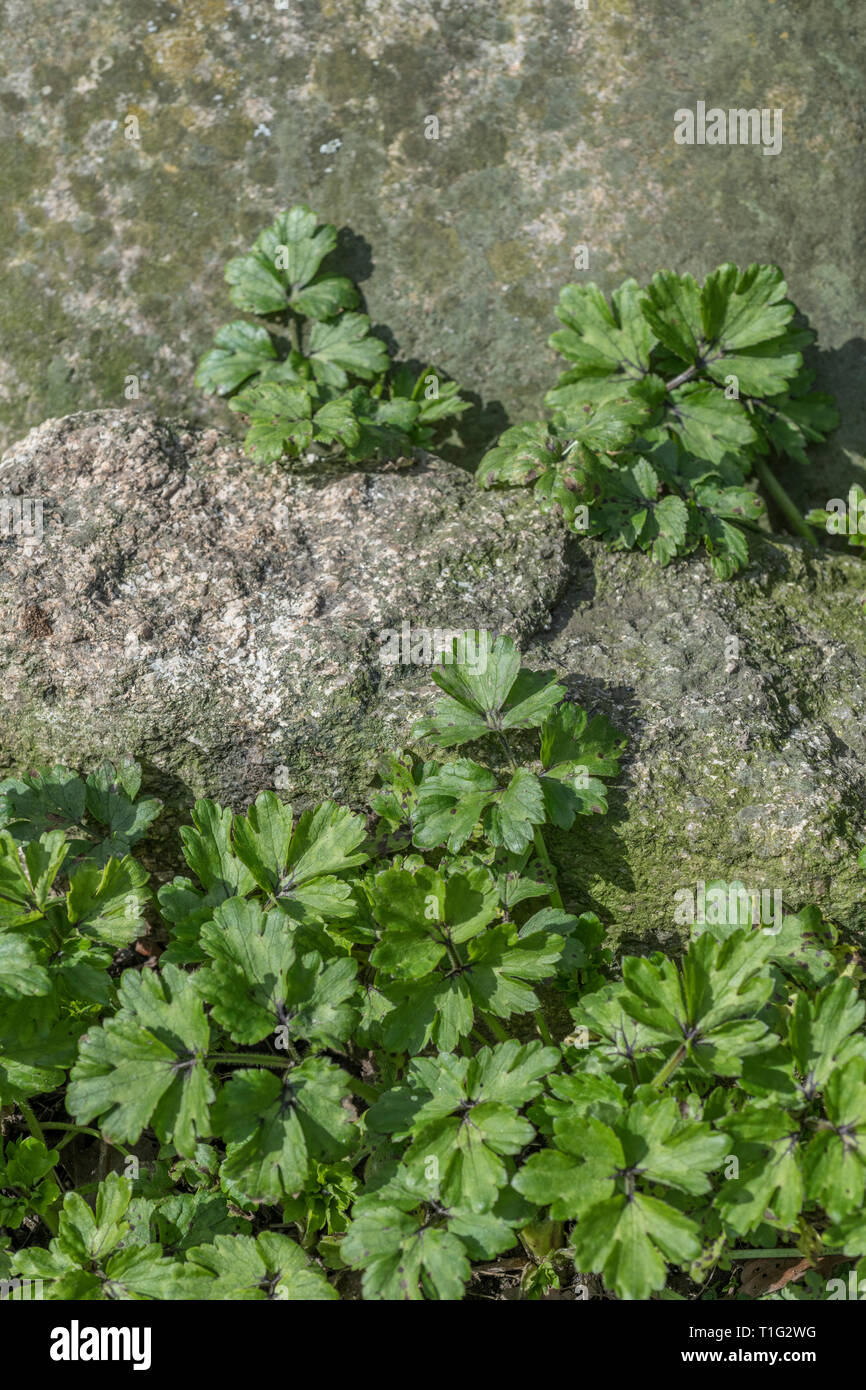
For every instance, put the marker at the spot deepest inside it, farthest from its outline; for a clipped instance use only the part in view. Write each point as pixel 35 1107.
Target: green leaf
pixel 610 346
pixel 628 1241
pixel 146 1065
pixel 187 1219
pixel 463 1115
pixel 305 246
pixel 494 972
pixel 835 1160
pixel 207 848
pixel 493 693
pixel 623 1041
pixel 726 545
pixel 108 905
pixel 336 423
pixel 770 1178
pixel 419 914
pixel 450 804
pixel 444 405
pixel 277 1126
pixel 745 320
pixel 743 309
pixel 709 426
pixel 710 1007
pixel 401 1256
pixel 338 350
pixel 824 1032
pixel 27 1184
pixel 300 867
pixel 255 285
pixel 256 986
pixel 523 453
pixel 269 1266
pixel 261 840
pixel 36 1045
pixel 630 512
pixel 85 1235
pixel 513 885
pixel 513 814
pixel 282 421
pixel 325 297
pixel 285 258
pixel 42 802
pixel 553 1179
pixel 242 350
pixel 790 423
pixel 280 417
pixel 85 1260
pixel 20 971
pixel 59 801
pixel 672 308
pixel 324 1202
pixel 388 1237
pixel 452 801
pixel 610 426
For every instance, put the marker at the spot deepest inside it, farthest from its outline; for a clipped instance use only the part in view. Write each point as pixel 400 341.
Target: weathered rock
pixel 744 703
pixel 223 624
pixel 143 146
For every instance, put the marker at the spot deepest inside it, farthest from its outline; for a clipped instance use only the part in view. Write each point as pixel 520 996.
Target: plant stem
pixel 294 333
pixel 679 380
pixel 416 390
pixel 32 1123
pixel 36 1130
pixel 669 1067
pixel 75 1130
pixel 506 749
pixel 456 963
pixel 496 1028
pixel 360 1088
pixel 541 1025
pixel 368 1093
pixel 260 1058
pixel 780 1253
pixel 785 504
pixel 541 851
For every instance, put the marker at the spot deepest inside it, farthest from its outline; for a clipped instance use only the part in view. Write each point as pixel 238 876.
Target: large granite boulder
pixel 225 625
pixel 224 622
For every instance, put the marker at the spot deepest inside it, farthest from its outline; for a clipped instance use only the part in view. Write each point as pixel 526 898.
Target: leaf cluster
pixel 388 1037
pixel 309 374
pixel 675 398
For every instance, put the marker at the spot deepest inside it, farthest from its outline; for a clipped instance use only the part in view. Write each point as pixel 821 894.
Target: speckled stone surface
pixel 556 127
pixel 223 624
pixel 224 621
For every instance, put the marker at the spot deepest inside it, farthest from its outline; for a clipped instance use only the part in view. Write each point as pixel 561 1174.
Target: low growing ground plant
pixel 680 405
pixel 309 374
pixel 378 1054
pixel 676 402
